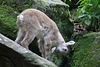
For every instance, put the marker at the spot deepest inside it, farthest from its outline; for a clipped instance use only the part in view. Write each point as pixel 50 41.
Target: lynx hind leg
pixel 41 47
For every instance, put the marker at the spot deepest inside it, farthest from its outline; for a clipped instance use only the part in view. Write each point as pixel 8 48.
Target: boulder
pixel 14 55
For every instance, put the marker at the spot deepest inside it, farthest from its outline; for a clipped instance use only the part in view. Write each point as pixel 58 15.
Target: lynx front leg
pixel 47 46
pixel 44 49
pixel 20 36
pixel 47 51
pixel 29 37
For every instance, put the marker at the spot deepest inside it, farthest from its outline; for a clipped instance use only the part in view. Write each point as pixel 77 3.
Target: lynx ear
pixel 70 43
pixel 53 49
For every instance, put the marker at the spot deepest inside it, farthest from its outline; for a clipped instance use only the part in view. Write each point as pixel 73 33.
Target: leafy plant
pixel 89 10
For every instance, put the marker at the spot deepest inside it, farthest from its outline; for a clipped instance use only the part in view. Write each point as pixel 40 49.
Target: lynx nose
pixel 65 49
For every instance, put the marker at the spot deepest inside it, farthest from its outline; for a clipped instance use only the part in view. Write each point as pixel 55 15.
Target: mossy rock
pixel 87 51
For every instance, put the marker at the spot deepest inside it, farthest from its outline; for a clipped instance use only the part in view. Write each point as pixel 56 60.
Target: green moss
pixel 87 51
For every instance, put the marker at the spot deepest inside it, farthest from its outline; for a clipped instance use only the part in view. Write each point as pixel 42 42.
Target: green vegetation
pixel 89 13
pixel 87 48
pixel 7 21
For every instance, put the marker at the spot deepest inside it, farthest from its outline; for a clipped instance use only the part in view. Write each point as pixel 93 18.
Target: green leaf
pixel 87 22
pixel 82 15
pixel 78 13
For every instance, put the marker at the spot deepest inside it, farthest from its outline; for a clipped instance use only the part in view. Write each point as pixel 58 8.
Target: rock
pixel 14 55
pixel 43 3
